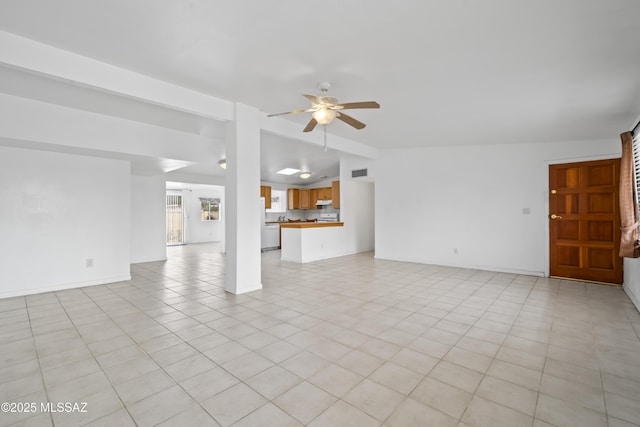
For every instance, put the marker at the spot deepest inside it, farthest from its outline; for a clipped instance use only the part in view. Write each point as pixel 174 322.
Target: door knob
pixel 554 216
pixel 553 191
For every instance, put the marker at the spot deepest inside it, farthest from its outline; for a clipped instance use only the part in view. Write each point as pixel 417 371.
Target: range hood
pixel 323 202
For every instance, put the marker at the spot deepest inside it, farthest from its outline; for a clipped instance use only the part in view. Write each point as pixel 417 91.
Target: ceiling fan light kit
pixel 324 109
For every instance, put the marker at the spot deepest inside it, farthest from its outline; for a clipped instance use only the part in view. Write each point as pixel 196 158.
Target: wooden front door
pixel 584 221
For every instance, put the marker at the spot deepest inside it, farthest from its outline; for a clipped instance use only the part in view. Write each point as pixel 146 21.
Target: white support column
pixel 242 197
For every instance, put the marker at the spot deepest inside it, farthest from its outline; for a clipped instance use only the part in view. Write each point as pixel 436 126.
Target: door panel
pixel 585 234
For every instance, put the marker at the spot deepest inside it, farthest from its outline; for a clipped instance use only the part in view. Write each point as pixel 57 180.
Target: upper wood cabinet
pixel 299 198
pixel 335 194
pixel 293 198
pixel 324 193
pixel 305 198
pixel 265 191
pixel 313 194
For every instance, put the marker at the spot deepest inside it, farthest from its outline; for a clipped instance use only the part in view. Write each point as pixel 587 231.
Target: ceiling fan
pixel 324 109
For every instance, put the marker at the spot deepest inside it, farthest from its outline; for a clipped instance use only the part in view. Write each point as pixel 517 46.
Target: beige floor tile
pixel 279 351
pixel 620 385
pixel 576 392
pixel 304 364
pixel 414 360
pixel 144 386
pixel 304 402
pixel 626 408
pixel 208 384
pixel 478 346
pixel 515 374
pixel 430 347
pixel 335 379
pixel 160 407
pixel 392 322
pixel 483 413
pixel 130 369
pixel 468 359
pixel 568 371
pixel 380 348
pixel 521 358
pixel 173 354
pixel 272 382
pixel 374 399
pixel 267 416
pixel 330 350
pixel 396 377
pixel 562 413
pixel 193 416
pixel 99 404
pixel 233 404
pixel 443 397
pixel 411 413
pixel 247 365
pixel 615 422
pixel 457 376
pixel 343 414
pixel 226 352
pixel 118 418
pixel 508 394
pixel 360 363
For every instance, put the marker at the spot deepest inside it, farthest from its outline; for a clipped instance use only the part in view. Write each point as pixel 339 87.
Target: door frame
pixel 547 163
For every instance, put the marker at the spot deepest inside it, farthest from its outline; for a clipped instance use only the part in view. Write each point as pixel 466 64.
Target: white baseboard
pixel 62 287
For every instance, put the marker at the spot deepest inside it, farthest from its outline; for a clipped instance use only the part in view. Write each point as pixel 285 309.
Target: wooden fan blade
pixel 312 124
pixel 289 112
pixel 352 105
pixel 350 121
pixel 312 98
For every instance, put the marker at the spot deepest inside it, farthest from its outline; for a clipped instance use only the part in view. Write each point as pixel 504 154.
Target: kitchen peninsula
pixel 311 241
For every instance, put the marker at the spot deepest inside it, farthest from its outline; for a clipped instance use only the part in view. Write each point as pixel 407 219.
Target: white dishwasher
pixel 270 237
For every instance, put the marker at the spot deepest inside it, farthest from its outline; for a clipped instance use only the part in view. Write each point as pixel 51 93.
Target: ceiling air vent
pixel 358 173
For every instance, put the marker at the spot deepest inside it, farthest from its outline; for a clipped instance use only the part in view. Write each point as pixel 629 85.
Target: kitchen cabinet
pixel 293 198
pixel 324 193
pixel 299 198
pixel 265 191
pixel 313 193
pixel 335 194
pixel 305 198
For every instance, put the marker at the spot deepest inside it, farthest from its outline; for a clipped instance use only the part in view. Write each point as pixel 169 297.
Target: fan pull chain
pixel 325 138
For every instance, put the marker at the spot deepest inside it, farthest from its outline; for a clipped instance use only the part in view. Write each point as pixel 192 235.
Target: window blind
pixel 636 166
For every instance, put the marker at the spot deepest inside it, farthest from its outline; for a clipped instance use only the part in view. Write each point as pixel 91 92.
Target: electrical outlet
pixel 455 251
pixel 88 263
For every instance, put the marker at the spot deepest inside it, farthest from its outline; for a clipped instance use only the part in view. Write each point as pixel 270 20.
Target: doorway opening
pixel 175 219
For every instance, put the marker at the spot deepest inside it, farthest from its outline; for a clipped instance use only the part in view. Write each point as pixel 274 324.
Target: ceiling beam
pixel 29 55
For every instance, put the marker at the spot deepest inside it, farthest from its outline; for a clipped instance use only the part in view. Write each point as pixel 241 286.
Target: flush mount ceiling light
pixel 288 171
pixel 222 163
pixel 305 175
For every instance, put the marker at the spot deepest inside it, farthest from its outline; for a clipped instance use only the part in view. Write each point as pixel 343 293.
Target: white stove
pixel 328 217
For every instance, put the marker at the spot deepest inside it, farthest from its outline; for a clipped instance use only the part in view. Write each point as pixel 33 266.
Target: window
pixel 209 209
pixel 278 201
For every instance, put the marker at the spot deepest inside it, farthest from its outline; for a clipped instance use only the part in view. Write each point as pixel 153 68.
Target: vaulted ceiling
pixel 445 72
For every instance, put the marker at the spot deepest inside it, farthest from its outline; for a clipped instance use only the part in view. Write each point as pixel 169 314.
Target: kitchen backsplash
pixel 300 214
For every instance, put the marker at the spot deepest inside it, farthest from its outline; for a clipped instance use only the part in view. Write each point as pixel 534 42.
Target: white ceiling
pixel 445 72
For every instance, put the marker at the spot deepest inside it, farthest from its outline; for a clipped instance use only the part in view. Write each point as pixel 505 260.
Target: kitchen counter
pixel 312 241
pixel 310 224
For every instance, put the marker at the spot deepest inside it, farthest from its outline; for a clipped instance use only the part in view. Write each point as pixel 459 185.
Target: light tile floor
pixel 351 341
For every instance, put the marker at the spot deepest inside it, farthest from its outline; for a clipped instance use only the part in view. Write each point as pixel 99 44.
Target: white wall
pixel 58 210
pixel 148 219
pixel 356 209
pixel 198 231
pixel 632 280
pixel 431 201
